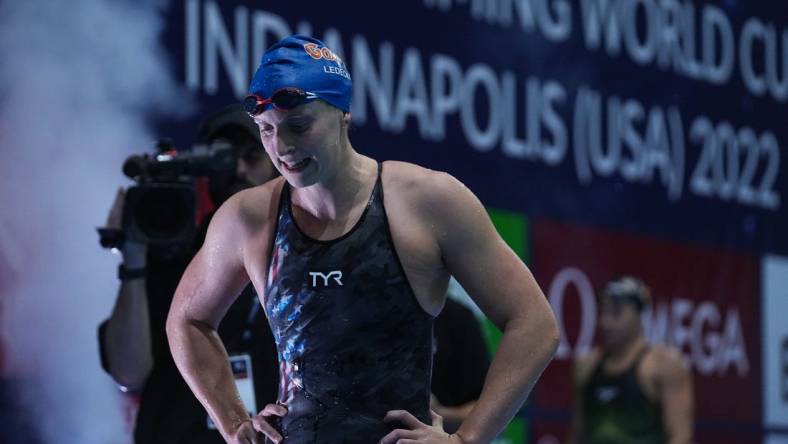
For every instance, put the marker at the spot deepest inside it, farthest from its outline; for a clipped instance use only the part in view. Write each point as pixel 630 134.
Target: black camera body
pixel 160 213
pixel 161 210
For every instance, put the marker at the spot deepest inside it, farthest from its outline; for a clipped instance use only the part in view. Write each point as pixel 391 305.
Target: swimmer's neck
pixel 626 348
pixel 334 196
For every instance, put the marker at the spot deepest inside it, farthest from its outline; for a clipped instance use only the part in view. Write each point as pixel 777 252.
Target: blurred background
pixel 605 137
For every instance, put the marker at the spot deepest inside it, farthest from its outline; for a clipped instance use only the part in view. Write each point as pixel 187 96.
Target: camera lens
pixel 162 214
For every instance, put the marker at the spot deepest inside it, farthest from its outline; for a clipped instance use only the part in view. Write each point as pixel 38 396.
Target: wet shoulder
pixel 418 185
pixel 256 208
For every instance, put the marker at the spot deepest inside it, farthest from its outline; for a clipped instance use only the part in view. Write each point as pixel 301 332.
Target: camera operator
pixel 133 344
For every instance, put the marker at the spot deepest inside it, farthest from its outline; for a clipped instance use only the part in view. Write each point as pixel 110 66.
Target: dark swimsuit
pixel 353 341
pixel 617 411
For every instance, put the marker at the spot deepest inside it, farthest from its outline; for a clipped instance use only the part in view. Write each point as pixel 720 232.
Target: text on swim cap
pixel 321 52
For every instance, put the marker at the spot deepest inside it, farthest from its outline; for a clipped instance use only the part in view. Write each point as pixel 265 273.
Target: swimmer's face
pixel 618 321
pixel 304 143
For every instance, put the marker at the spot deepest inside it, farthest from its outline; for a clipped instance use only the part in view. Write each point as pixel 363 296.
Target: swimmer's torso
pixel 618 410
pixel 352 339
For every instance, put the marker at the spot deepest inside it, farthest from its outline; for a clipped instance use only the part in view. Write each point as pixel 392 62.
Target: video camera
pixel 161 210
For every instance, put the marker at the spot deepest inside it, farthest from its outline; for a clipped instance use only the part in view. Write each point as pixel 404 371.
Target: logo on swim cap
pixel 320 52
pixel 305 63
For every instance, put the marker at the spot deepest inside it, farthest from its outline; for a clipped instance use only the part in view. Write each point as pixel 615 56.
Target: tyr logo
pixel 336 274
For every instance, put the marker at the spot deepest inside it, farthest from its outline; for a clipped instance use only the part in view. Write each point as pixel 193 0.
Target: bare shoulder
pixel 431 189
pixel 252 209
pixel 665 355
pixel 409 176
pixel 585 365
pixel 667 361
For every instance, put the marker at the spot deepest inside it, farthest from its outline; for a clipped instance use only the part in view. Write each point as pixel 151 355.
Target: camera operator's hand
pixel 134 252
pixel 126 336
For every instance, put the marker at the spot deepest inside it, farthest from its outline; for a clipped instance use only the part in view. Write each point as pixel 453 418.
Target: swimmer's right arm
pixel 210 284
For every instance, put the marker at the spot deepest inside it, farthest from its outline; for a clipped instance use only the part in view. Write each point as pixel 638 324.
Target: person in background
pixel 626 390
pixel 459 365
pixel 133 344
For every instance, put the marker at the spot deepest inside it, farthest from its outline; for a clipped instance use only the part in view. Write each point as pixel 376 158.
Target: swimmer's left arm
pixel 505 290
pixel 675 392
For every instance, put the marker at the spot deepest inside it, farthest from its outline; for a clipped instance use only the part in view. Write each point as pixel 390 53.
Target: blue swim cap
pixel 306 63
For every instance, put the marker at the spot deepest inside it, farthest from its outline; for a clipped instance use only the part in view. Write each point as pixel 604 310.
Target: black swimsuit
pixel 618 411
pixel 352 340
